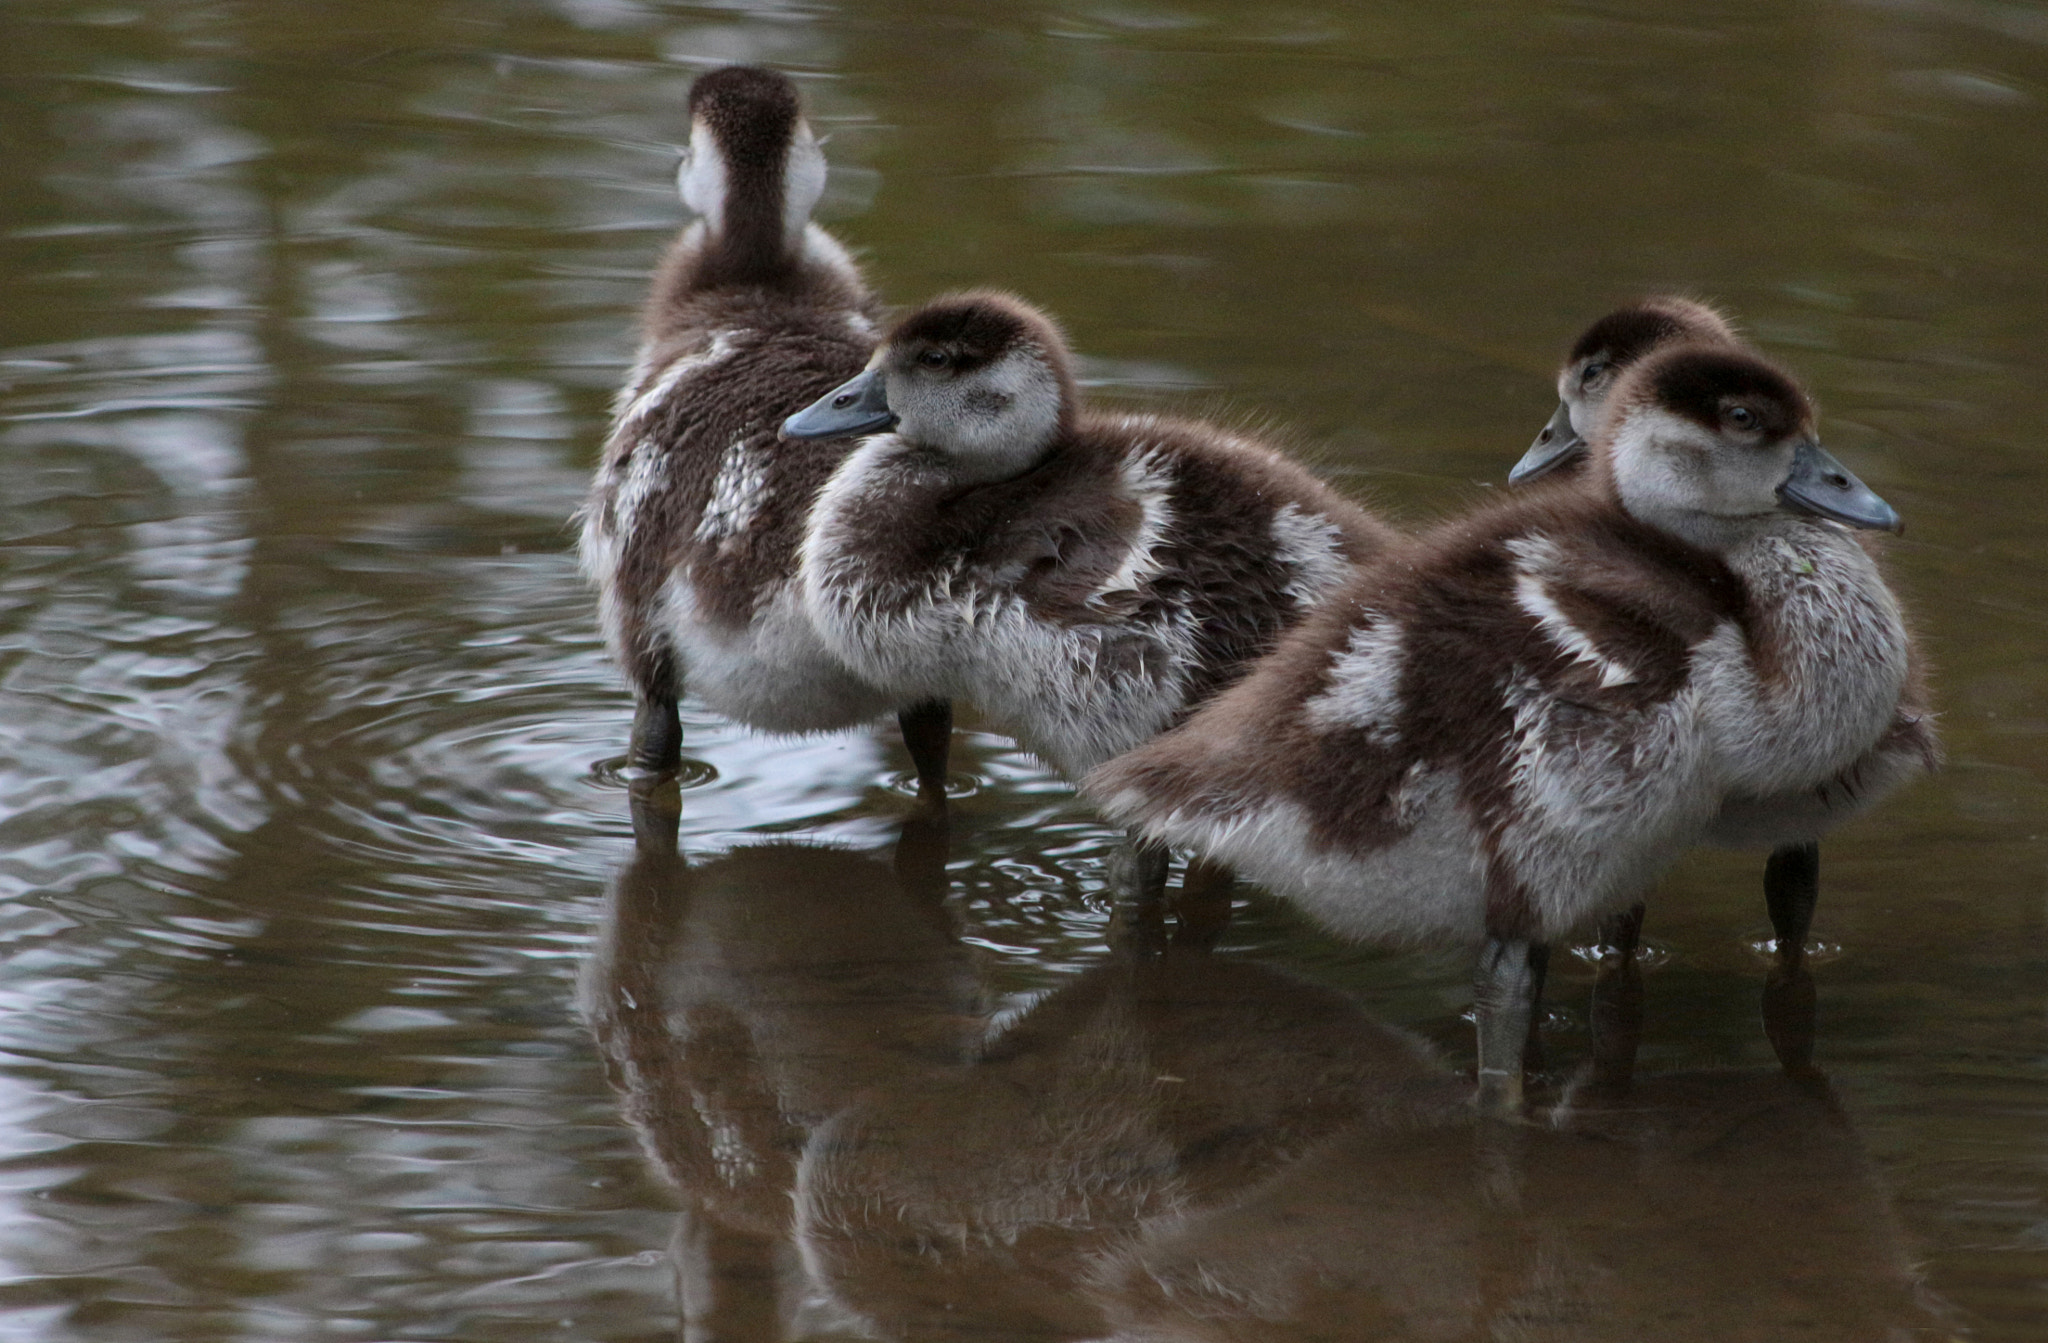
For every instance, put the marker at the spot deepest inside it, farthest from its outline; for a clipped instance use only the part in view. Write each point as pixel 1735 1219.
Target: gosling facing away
pixel 693 523
pixel 1512 725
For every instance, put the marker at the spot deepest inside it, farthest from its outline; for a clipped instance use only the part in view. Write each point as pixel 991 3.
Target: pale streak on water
pixel 310 317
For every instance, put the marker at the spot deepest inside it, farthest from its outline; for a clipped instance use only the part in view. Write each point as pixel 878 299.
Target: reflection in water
pixel 1176 1145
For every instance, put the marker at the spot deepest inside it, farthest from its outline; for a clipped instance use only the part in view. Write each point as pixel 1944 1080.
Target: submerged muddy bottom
pixel 342 996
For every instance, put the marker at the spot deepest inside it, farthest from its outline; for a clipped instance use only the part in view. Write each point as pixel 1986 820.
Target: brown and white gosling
pixel 1084 578
pixel 1788 823
pixel 693 523
pixel 1511 726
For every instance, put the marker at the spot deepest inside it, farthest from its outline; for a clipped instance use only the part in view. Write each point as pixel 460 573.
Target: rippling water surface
pixel 337 1000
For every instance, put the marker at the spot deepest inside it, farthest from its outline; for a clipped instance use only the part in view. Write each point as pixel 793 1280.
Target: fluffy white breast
pixel 775 674
pixel 1840 648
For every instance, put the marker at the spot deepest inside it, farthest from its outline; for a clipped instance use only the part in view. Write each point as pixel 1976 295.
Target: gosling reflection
pixel 1178 1146
pixel 741 1002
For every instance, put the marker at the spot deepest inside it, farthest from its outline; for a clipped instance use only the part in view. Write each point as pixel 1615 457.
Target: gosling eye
pixel 932 359
pixel 1592 373
pixel 1741 417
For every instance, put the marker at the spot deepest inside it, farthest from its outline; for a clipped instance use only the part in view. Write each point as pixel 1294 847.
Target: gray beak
pixel 858 406
pixel 1820 484
pixel 1557 444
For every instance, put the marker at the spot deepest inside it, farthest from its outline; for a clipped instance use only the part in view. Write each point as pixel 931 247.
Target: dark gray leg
pixel 1139 870
pixel 1137 882
pixel 1618 1001
pixel 1504 994
pixel 1791 890
pixel 928 733
pixel 657 743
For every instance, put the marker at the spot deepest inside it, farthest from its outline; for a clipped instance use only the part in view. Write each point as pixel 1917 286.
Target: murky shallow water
pixel 310 315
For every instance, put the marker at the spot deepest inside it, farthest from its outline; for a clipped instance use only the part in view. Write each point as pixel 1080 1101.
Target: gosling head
pixel 752 166
pixel 1713 444
pixel 1598 359
pixel 983 379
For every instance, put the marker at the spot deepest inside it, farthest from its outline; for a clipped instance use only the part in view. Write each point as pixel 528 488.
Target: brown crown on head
pixel 975 328
pixel 1627 333
pixel 1700 381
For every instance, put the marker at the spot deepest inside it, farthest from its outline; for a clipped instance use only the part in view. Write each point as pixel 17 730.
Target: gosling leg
pixel 928 733
pixel 1137 882
pixel 1791 890
pixel 657 811
pixel 657 742
pixel 1504 994
pixel 1139 870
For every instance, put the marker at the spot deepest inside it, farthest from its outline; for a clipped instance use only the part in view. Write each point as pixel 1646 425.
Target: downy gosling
pixel 1788 823
pixel 694 521
pixel 1512 725
pixel 1083 578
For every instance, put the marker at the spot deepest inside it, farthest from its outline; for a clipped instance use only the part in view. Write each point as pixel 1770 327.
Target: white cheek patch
pixel 993 422
pixel 1673 472
pixel 702 177
pixel 803 183
pixel 1664 472
pixel 1581 409
pixel 1033 409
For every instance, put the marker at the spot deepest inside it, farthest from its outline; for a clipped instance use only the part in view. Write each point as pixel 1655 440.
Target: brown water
pixel 318 910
